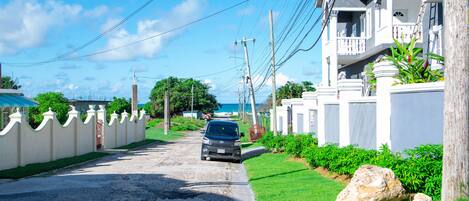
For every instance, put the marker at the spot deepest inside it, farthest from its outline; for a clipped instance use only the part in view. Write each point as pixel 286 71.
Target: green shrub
pixel 153 123
pixel 419 169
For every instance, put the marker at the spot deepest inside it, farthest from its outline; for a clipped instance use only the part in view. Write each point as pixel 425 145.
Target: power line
pixel 144 39
pixel 102 34
pixel 315 42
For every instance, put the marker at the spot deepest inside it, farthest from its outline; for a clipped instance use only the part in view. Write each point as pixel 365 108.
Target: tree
pixel 287 91
pixel 456 120
pixel 117 105
pixel 54 100
pixel 180 96
pixel 10 83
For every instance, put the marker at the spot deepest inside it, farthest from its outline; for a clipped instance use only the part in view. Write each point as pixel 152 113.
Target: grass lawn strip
pixel 275 177
pixel 33 169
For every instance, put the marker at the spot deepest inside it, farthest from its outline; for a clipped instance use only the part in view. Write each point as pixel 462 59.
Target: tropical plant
pixel 413 68
pixel 180 96
pixel 10 83
pixel 117 105
pixel 53 100
pixel 370 75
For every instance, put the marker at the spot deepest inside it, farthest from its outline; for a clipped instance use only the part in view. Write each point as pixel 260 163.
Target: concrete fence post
pixel 115 120
pixel 124 117
pixel 50 116
pixel 18 117
pixel 324 93
pixel 385 73
pixel 101 117
pixel 91 113
pixel 348 89
pixel 75 115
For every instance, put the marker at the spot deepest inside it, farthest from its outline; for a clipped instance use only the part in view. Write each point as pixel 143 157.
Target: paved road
pixel 171 171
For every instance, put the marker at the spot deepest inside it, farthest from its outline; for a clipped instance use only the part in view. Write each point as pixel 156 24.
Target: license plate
pixel 221 151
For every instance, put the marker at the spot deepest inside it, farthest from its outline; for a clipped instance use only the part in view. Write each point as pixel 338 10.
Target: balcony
pixel 350 45
pixel 403 32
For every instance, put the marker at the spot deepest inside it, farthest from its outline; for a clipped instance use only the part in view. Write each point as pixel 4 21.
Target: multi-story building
pixel 361 31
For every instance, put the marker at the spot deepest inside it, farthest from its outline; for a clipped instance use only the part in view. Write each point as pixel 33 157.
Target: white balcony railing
pixel 350 45
pixel 403 32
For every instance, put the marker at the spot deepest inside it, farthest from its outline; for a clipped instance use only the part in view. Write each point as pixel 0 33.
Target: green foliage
pixel 186 124
pixel 54 100
pixel 180 96
pixel 153 123
pixel 118 105
pixel 371 76
pixel 10 83
pixel 419 169
pixel 287 91
pixel 413 68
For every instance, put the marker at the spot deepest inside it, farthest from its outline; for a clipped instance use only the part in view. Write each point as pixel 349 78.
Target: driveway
pixel 167 171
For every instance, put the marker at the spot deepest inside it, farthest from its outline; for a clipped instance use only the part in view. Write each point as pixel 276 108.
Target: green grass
pixel 33 169
pixel 158 134
pixel 273 177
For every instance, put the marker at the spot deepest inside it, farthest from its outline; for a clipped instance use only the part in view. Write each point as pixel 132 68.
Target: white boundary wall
pixel 21 145
pixel 379 119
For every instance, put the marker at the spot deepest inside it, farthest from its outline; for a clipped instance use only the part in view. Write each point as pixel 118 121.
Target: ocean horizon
pixel 234 107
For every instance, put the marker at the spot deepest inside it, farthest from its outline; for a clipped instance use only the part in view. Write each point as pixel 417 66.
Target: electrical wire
pixel 143 39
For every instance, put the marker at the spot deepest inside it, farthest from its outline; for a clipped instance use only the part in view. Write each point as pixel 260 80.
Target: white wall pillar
pixel 50 116
pixel 385 73
pixel 124 120
pixel 115 124
pixel 75 115
pixel 333 65
pixel 348 89
pixel 91 113
pixel 323 94
pixel 18 117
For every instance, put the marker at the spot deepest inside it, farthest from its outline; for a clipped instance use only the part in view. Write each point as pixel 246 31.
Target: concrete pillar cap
pixel 385 69
pixel 350 85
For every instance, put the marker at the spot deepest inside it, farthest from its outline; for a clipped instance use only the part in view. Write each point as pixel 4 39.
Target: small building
pixel 83 105
pixel 10 99
pixel 196 114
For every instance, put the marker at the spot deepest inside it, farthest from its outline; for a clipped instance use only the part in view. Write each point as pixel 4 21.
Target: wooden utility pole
pixel 167 122
pixel 251 86
pixel 192 102
pixel 244 96
pixel 456 121
pixel 274 86
pixel 134 96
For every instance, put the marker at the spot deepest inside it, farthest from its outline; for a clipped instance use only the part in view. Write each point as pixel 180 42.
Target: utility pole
pixel 167 120
pixel 249 79
pixel 244 96
pixel 455 183
pixel 192 102
pixel 274 86
pixel 1 79
pixel 134 96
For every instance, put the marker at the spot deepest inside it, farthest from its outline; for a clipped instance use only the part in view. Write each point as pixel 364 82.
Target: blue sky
pixel 33 31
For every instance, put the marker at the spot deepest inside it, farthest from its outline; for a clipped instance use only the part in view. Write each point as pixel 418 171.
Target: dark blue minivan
pixel 221 140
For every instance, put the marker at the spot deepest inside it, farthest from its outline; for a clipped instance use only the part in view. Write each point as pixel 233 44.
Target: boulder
pixel 421 197
pixel 373 183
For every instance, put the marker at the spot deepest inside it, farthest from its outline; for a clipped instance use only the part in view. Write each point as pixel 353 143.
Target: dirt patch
pixel 345 179
pixel 323 171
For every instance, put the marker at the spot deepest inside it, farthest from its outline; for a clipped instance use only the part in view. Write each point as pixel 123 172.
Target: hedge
pixel 419 169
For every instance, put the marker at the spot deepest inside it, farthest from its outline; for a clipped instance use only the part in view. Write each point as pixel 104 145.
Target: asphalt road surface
pixel 169 171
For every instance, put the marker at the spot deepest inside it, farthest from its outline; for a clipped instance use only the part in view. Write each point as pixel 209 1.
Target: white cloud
pixel 179 15
pixel 25 23
pixel 210 84
pixel 97 11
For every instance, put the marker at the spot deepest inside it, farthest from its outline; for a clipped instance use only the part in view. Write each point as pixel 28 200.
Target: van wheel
pixel 237 161
pixel 203 158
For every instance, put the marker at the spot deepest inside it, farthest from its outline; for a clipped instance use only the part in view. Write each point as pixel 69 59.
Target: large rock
pixel 421 197
pixel 372 183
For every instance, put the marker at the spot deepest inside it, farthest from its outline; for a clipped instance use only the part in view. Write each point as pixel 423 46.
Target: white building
pixel 360 31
